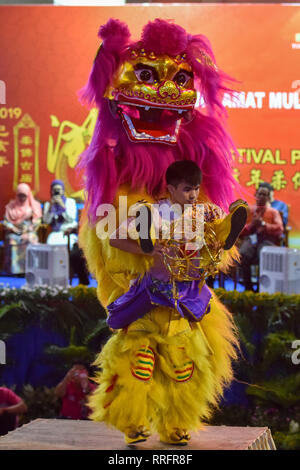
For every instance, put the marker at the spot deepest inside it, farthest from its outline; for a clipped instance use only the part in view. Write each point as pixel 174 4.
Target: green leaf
pixel 7 308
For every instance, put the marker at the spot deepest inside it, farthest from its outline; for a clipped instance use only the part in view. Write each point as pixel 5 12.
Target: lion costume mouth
pixel 151 124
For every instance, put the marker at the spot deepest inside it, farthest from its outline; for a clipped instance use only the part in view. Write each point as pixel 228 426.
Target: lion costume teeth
pixel 134 135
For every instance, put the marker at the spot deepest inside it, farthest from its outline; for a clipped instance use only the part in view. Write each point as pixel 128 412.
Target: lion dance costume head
pixel 146 92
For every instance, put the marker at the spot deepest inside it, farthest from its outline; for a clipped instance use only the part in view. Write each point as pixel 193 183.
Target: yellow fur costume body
pixel 161 372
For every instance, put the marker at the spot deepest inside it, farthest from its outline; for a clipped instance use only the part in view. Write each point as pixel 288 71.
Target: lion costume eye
pixel 181 78
pixel 144 75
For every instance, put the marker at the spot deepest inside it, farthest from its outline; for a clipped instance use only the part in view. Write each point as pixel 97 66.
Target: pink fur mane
pixel 112 160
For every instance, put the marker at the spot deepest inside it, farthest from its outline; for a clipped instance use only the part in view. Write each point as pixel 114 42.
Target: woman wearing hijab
pixel 22 218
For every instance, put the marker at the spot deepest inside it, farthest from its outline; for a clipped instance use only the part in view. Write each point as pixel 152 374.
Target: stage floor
pixel 58 434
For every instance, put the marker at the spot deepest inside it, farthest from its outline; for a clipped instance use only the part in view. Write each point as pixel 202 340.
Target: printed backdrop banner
pixel 46 56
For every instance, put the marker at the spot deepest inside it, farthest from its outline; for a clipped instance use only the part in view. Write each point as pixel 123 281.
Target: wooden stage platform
pixel 58 434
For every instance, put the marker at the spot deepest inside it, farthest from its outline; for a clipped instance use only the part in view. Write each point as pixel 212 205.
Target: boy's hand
pixel 159 269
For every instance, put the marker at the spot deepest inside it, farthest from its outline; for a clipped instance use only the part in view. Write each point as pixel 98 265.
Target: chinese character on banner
pixel 255 180
pixel 236 174
pixel 26 178
pixel 26 140
pixel 296 180
pixel 3 132
pixel 4 143
pixel 3 161
pixel 26 152
pixel 278 181
pixel 26 166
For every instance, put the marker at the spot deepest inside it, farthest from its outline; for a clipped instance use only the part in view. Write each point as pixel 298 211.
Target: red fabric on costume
pixel 74 400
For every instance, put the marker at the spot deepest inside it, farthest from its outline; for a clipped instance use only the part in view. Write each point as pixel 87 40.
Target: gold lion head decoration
pixel 147 84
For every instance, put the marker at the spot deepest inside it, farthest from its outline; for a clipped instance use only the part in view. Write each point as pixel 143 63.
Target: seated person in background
pixel 22 218
pixel 276 203
pixel 11 405
pixel 74 390
pixel 61 214
pixel 264 228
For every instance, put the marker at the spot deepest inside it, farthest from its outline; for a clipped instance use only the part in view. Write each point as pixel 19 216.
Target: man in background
pixel 264 228
pixel 281 206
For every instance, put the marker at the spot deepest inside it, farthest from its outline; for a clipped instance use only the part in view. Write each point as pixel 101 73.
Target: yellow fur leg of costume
pixel 121 400
pixel 192 365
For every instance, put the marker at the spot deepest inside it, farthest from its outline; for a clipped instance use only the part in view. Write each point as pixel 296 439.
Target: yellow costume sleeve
pixel 112 268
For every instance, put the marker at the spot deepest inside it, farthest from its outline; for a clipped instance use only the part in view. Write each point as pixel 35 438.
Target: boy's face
pixel 184 193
